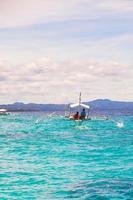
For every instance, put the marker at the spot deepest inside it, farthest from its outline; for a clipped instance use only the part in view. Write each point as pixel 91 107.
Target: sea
pixel 45 156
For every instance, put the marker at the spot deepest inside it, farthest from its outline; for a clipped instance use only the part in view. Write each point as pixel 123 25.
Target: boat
pixel 77 106
pixel 3 111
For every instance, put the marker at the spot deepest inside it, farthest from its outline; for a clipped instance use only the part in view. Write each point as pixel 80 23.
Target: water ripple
pixel 49 157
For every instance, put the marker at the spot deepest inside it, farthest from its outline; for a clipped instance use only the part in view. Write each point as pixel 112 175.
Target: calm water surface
pixel 49 158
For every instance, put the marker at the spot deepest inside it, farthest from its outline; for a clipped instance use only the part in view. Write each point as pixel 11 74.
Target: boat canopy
pixel 85 106
pixel 77 104
pixel 74 105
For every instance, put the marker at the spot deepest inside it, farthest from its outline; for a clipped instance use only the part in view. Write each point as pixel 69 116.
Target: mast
pixel 79 102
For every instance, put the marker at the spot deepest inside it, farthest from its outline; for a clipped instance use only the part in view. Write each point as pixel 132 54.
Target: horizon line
pixel 102 99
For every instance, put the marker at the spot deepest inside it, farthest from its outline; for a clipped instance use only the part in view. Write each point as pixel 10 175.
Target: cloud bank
pixel 49 81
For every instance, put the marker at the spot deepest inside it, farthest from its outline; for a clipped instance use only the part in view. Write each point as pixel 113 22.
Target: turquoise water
pixel 44 157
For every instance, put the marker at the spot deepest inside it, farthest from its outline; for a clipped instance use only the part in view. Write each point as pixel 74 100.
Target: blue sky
pixel 66 36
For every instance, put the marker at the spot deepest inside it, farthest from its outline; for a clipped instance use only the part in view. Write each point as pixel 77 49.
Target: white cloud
pixel 25 12
pixel 49 81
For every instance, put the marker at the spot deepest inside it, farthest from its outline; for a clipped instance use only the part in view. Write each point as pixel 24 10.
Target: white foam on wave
pixel 83 127
pixel 120 124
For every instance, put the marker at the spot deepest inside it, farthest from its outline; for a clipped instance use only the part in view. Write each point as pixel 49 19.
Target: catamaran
pixel 78 106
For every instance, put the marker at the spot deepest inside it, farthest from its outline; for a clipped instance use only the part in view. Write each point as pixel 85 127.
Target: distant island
pixel 96 105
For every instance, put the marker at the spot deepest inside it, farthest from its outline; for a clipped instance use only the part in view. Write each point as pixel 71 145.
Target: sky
pixel 50 50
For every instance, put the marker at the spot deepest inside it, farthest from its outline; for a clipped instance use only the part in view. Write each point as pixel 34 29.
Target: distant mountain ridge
pixel 19 106
pixel 98 104
pixel 108 104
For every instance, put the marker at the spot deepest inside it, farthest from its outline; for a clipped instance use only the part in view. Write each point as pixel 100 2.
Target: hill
pixel 99 104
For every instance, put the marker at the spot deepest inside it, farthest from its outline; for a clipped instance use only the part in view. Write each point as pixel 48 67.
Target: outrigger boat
pixel 77 106
pixel 3 112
